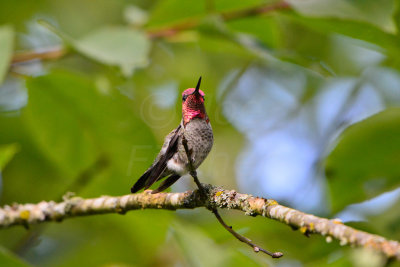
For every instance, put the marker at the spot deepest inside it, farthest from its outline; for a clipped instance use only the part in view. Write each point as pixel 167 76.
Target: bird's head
pixel 193 104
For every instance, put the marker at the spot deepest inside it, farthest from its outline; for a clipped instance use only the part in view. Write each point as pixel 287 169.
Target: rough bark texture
pixel 26 214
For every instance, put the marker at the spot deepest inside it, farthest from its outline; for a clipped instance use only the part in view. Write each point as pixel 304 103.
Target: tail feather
pixel 156 172
pixel 141 183
pixel 167 183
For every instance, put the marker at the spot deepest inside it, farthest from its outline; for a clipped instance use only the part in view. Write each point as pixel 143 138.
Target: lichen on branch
pixel 27 214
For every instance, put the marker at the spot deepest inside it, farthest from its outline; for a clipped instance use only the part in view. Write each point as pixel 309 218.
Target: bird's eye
pixel 184 97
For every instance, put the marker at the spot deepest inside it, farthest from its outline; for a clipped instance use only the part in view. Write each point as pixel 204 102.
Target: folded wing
pixel 156 170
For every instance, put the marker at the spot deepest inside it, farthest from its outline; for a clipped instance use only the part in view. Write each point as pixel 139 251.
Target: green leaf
pixel 172 11
pixel 353 29
pixel 6 49
pixel 168 12
pixel 10 260
pixel 74 124
pixel 266 29
pixel 386 222
pixel 396 15
pixel 7 152
pixel 116 46
pixel 194 244
pixel 229 5
pixel 135 16
pixel 28 167
pixel 147 228
pixel 123 47
pixel 378 13
pixel 365 162
pixel 57 118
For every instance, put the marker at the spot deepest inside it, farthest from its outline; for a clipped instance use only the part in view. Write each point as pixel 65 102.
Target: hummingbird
pixel 172 162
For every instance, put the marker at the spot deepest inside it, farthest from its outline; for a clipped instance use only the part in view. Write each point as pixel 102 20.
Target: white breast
pixel 178 168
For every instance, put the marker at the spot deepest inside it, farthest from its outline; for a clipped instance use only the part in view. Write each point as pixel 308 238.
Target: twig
pixel 49 53
pixel 245 239
pixel 214 210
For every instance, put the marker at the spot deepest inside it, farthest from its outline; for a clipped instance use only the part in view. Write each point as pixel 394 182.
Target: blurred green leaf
pixel 266 29
pixel 195 244
pixel 385 222
pixel 119 46
pixel 169 12
pixel 116 46
pixel 10 260
pixel 59 120
pixel 354 29
pixel 172 11
pixel 135 16
pixel 140 234
pixel 220 44
pixel 374 12
pixel 312 50
pixel 7 152
pixel 396 15
pixel 365 162
pixel 75 124
pixel 228 5
pixel 36 169
pixel 6 45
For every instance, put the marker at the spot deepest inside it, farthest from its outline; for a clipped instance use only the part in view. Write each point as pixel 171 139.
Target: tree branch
pixel 51 53
pixel 27 214
pixel 58 52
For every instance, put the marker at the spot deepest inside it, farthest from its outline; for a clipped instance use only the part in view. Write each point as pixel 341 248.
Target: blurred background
pixel 303 98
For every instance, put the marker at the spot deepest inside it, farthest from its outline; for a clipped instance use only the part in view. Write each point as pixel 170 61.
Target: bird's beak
pixel 196 91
